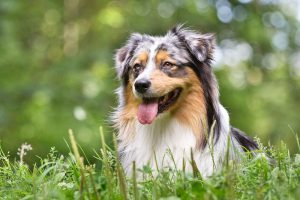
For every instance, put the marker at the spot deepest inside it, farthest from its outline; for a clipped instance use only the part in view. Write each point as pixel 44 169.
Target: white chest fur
pixel 168 143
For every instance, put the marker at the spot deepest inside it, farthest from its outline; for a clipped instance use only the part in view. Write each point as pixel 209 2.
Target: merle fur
pixel 202 68
pixel 204 72
pixel 247 143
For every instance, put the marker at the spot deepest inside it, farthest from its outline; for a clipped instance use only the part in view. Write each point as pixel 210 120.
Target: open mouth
pixel 151 107
pixel 166 101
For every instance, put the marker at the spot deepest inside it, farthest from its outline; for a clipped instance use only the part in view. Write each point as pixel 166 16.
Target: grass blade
pixel 196 172
pixel 93 183
pixel 79 161
pixel 121 176
pixel 107 171
pixel 134 182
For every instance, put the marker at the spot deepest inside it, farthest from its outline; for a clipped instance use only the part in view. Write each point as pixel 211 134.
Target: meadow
pixel 57 65
pixel 273 174
pixel 57 72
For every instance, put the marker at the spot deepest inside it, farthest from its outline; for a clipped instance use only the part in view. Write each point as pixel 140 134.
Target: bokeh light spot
pixel 245 1
pixel 280 40
pixel 225 14
pixel 111 16
pixel 165 9
pixel 295 63
pixel 277 20
pixel 79 113
pixel 90 88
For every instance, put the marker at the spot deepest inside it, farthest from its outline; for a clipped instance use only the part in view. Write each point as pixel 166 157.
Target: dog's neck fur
pixel 169 140
pixel 192 111
pixel 150 143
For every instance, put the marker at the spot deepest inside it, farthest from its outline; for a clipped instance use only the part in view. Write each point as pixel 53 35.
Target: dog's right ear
pixel 200 45
pixel 124 55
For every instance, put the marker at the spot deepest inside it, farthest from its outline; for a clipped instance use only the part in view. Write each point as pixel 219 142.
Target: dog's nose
pixel 142 85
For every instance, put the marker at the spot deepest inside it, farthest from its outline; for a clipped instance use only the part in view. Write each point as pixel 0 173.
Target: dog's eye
pixel 168 64
pixel 137 68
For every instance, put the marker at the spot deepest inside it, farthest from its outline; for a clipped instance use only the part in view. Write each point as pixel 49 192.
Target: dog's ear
pixel 200 45
pixel 124 54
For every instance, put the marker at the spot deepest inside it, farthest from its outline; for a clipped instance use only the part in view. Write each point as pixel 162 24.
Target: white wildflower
pixel 22 151
pixel 65 185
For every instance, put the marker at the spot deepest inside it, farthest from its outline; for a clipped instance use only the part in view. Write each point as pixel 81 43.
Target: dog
pixel 169 111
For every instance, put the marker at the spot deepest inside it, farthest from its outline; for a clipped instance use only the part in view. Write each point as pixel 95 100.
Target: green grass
pixel 59 177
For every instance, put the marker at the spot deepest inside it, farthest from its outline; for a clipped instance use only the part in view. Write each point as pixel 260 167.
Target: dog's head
pixel 159 73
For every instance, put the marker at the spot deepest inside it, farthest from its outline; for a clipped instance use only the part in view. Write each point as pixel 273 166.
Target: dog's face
pixel 157 72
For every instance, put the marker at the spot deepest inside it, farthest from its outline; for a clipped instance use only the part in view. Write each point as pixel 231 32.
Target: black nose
pixel 142 85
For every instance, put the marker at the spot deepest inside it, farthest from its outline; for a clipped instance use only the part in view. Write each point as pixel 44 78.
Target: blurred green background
pixel 56 65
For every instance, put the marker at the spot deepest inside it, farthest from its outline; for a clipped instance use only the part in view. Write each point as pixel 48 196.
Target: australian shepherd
pixel 169 104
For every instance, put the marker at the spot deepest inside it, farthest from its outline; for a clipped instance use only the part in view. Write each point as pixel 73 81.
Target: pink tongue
pixel 147 112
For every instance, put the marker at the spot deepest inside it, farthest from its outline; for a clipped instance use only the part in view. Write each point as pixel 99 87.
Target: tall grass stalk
pixel 67 177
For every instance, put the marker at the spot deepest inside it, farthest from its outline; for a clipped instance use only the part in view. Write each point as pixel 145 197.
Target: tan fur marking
pixel 162 84
pixel 190 107
pixel 142 58
pixel 163 56
pixel 131 106
pixel 128 115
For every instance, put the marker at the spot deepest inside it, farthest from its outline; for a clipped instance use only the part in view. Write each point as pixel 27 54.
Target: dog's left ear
pixel 123 55
pixel 120 59
pixel 200 45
